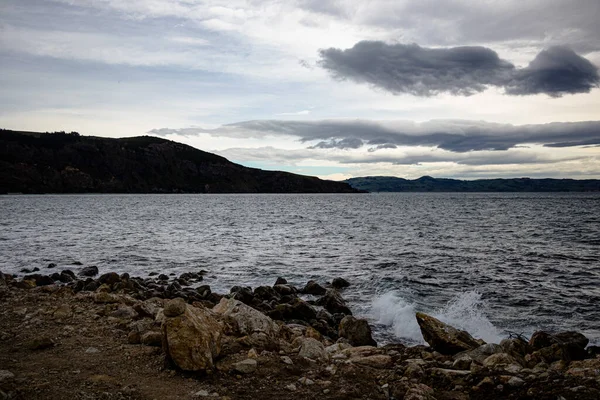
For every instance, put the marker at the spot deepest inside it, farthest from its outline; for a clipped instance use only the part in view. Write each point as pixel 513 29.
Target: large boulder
pixel 334 303
pixel 357 331
pixel 247 319
pixel 567 346
pixel 339 283
pixel 443 337
pixel 192 340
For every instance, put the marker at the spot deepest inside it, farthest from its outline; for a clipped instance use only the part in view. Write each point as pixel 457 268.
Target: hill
pixel 33 162
pixel 429 184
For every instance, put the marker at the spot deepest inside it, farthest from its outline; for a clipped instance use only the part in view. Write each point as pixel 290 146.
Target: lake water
pixel 486 262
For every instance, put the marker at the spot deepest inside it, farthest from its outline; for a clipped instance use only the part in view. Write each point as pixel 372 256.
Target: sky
pixel 464 89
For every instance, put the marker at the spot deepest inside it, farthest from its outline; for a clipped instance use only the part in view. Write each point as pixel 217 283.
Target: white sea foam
pixel 465 311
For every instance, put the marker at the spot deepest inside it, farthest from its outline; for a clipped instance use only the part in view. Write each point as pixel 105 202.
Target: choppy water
pixel 488 263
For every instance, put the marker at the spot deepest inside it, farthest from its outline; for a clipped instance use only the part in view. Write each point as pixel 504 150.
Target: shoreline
pixel 262 343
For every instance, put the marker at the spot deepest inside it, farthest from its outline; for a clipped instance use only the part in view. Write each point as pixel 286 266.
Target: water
pixel 488 263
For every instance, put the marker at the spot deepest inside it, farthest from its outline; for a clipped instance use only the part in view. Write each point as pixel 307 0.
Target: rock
pixel 499 359
pixel 62 312
pixel 151 338
pixel 92 350
pixel 337 347
pixel 243 294
pixel 380 361
pixel 285 290
pixel 419 391
pixel 357 331
pixel 312 287
pixel 175 307
pixel 40 343
pixel 202 393
pixel 515 381
pixel 281 281
pixel 339 283
pixel 40 280
pixel 313 349
pixel 291 387
pixel 6 376
pixel 480 353
pixel 192 339
pixel 443 337
pixel 305 381
pixel 246 366
pixel 248 319
pixel 585 368
pixel 334 303
pixel 51 265
pixel 109 278
pixel 267 293
pixel 106 298
pixel 89 271
pixel 516 346
pixel 163 277
pixel 286 360
pixel 124 312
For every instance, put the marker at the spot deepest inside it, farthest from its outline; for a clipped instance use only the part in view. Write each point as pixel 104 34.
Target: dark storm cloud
pixel 453 135
pixel 555 71
pixel 464 71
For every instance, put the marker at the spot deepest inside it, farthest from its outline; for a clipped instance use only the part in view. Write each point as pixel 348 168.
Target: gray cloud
pixel 420 71
pixel 452 135
pixel 348 143
pixel 425 157
pixel 555 71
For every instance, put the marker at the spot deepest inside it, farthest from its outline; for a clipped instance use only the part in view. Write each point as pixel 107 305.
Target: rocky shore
pixel 74 334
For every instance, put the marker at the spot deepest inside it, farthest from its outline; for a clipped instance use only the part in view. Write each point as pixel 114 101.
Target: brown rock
pixel 357 331
pixel 443 337
pixel 175 307
pixel 151 338
pixel 192 339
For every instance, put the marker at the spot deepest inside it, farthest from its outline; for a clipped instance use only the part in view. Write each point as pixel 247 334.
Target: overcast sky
pixel 449 88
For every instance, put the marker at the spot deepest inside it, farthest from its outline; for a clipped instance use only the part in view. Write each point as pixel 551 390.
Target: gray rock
pixel 305 381
pixel 286 360
pixel 291 387
pixel 313 349
pixel 246 366
pixel 339 283
pixel 334 303
pixel 515 381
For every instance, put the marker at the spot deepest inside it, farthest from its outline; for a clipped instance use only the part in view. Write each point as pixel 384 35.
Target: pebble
pixel 201 393
pixel 90 350
pixel 291 387
pixel 326 391
pixel 287 360
pixel 305 381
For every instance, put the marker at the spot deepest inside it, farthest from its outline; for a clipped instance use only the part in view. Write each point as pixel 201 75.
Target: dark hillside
pixel 429 184
pixel 61 162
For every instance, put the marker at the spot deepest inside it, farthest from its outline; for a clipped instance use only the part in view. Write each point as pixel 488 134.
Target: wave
pixel 464 311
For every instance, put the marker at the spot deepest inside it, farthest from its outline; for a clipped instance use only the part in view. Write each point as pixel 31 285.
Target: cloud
pixel 400 157
pixel 555 71
pixel 452 135
pixel 348 143
pixel 461 71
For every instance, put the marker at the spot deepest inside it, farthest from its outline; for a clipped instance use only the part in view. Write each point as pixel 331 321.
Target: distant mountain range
pixel 429 184
pixel 32 162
